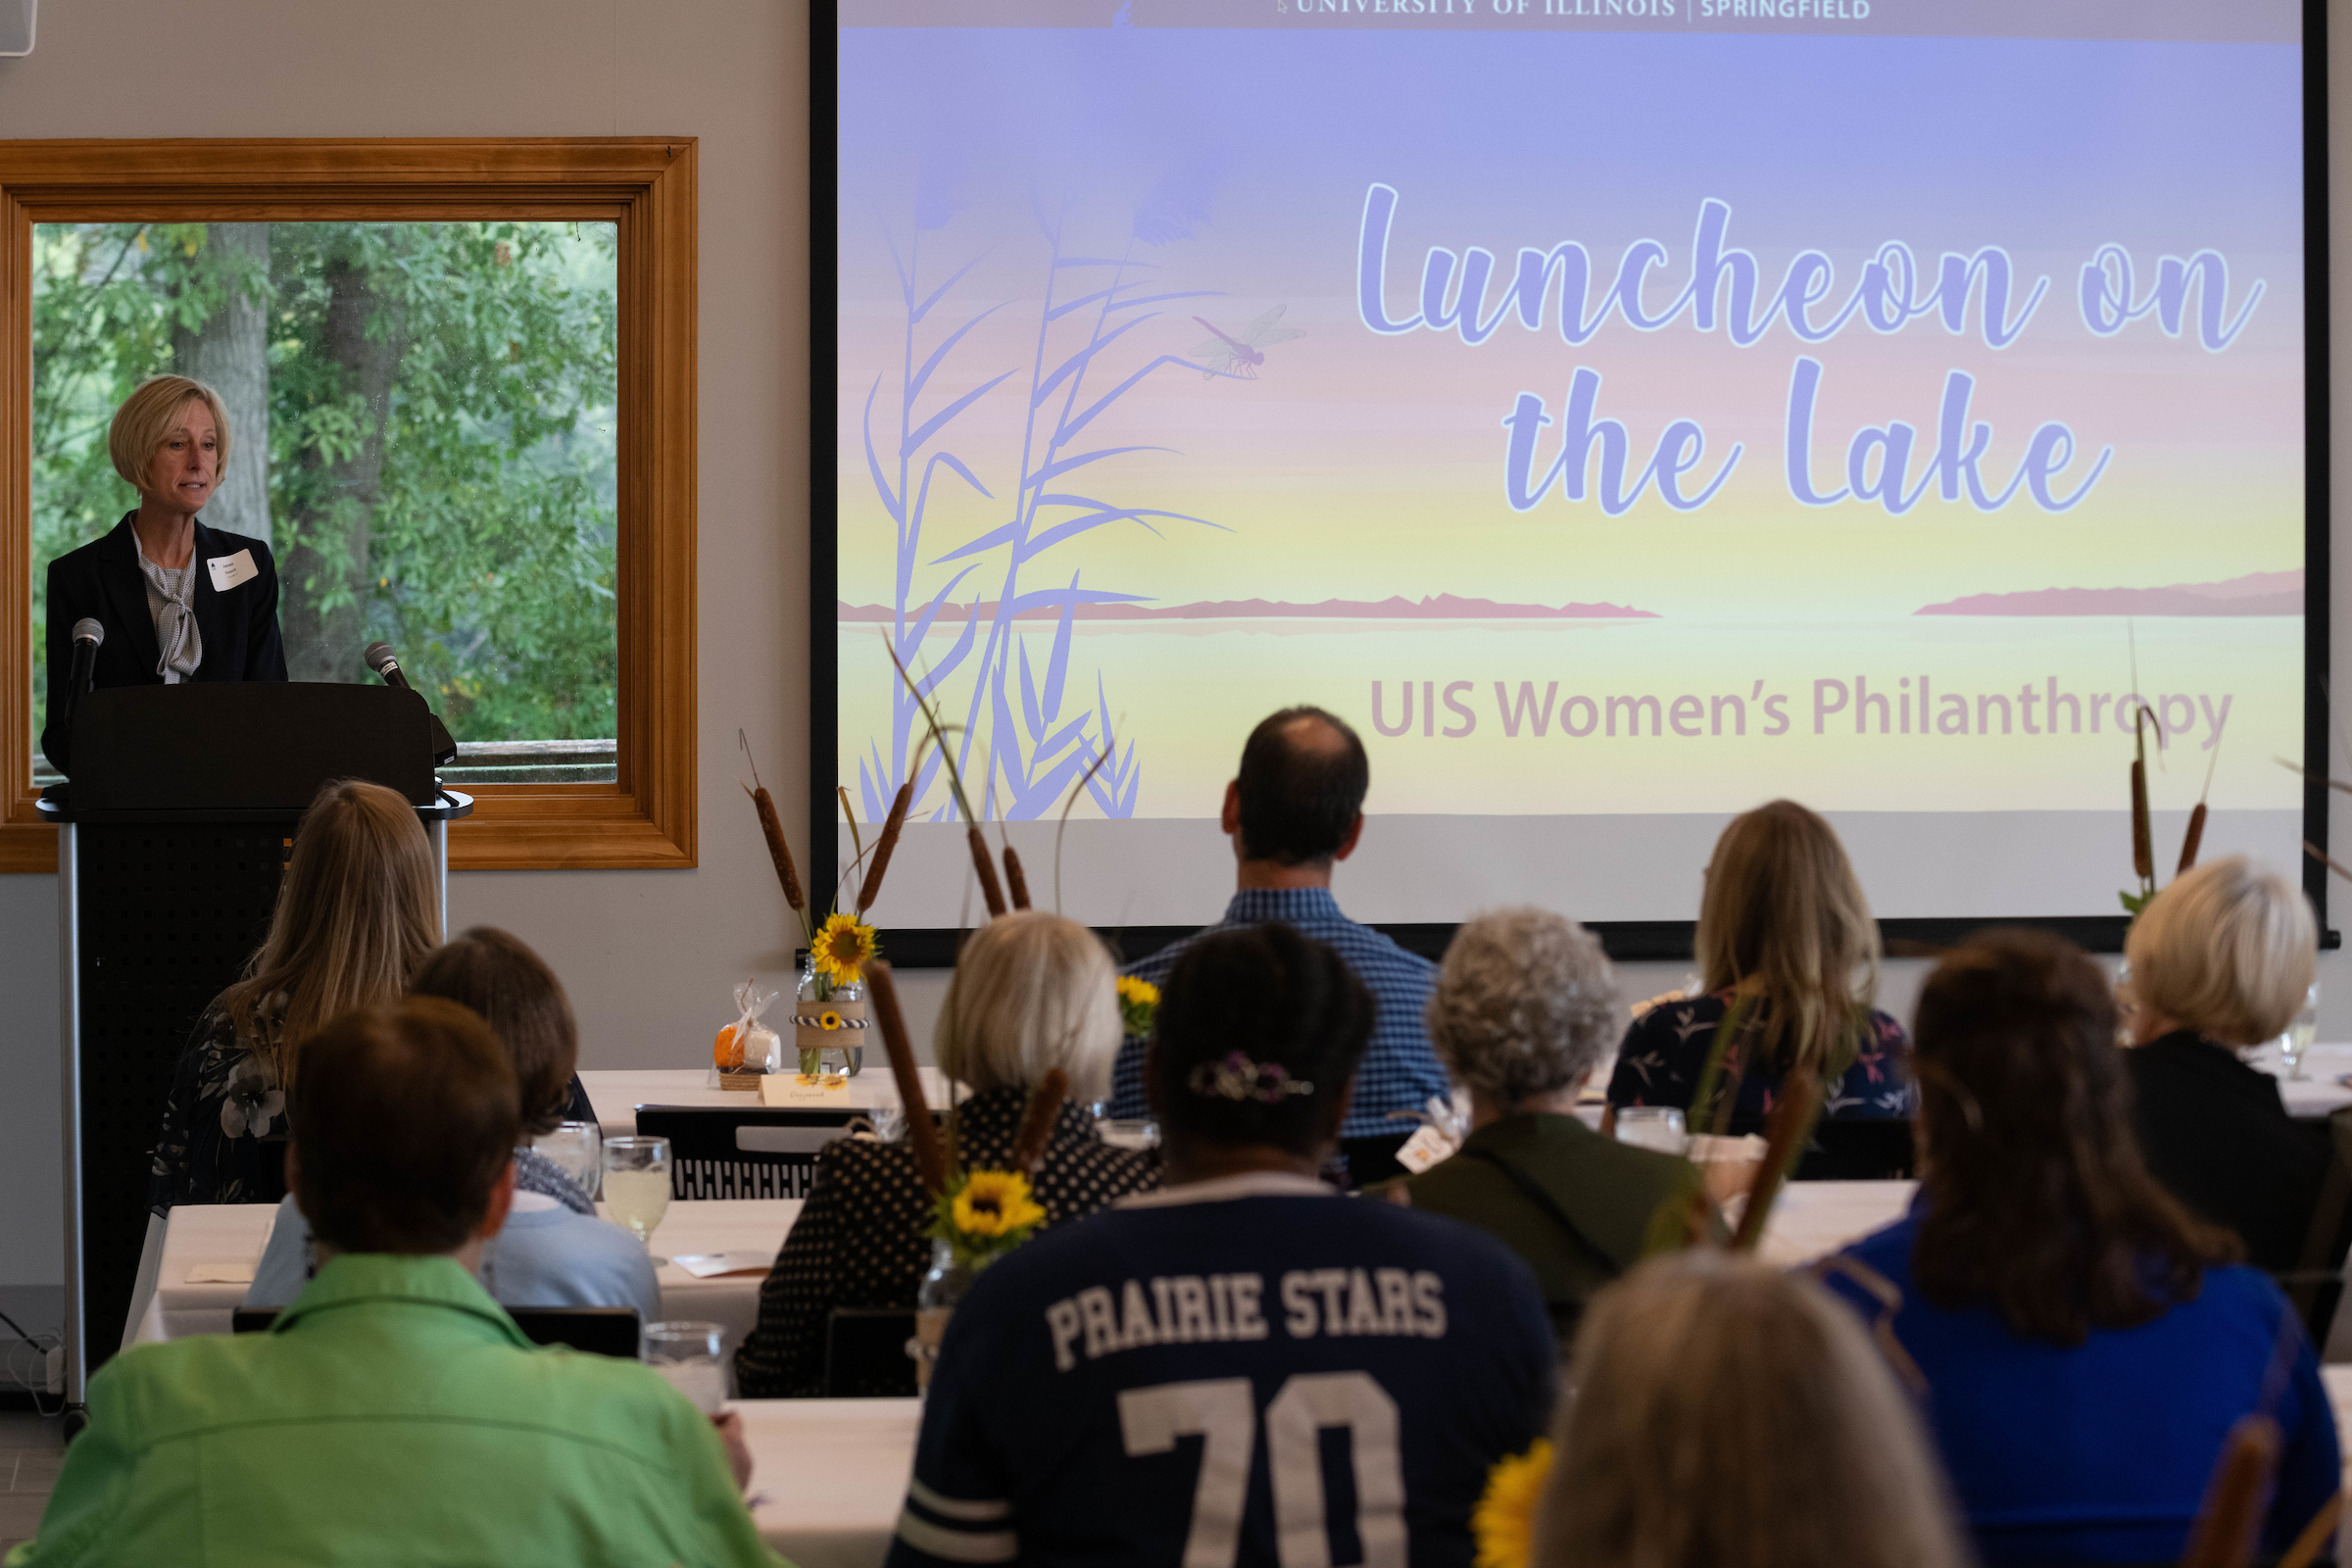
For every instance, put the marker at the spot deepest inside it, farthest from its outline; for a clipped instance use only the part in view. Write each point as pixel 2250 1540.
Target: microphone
pixel 88 633
pixel 380 657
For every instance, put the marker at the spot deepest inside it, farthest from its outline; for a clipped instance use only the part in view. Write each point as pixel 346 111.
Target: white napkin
pixel 221 1273
pixel 709 1265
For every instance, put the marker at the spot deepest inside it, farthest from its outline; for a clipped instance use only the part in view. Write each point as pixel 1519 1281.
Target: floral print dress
pixel 1665 1052
pixel 224 1100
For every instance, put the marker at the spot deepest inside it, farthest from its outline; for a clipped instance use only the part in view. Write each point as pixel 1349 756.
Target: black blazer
pixel 101 579
pixel 2216 1134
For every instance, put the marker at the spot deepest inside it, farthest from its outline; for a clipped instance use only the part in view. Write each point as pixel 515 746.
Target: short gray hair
pixel 1031 992
pixel 1525 1005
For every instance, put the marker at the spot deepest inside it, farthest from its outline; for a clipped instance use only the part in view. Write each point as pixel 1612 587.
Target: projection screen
pixel 1620 412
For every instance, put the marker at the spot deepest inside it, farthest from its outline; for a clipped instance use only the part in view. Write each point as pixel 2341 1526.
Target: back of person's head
pixel 1255 1041
pixel 1723 1412
pixel 1783 917
pixel 1302 787
pixel 2228 950
pixel 509 987
pixel 2037 1200
pixel 1525 1005
pixel 1031 992
pixel 403 1118
pixel 357 912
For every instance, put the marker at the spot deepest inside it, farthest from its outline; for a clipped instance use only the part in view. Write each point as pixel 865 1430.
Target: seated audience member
pixel 1788 957
pixel 2220 959
pixel 1724 1412
pixel 1526 1006
pixel 1295 810
pixel 357 912
pixel 1246 1303
pixel 394 1414
pixel 2085 1341
pixel 553 1252
pixel 1031 992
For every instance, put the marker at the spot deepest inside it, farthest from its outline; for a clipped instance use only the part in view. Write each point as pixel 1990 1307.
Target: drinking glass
pixel 1137 1133
pixel 578 1147
pixel 1658 1127
pixel 2301 1033
pixel 637 1185
pixel 690 1357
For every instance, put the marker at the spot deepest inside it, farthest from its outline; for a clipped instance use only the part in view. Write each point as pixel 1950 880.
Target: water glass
pixel 1658 1127
pixel 637 1183
pixel 2301 1033
pixel 1137 1133
pixel 692 1358
pixel 578 1147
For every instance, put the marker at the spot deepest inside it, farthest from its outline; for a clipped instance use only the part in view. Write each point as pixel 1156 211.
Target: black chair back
pixel 2316 1285
pixel 718 1151
pixel 866 1352
pixel 611 1331
pixel 1856 1148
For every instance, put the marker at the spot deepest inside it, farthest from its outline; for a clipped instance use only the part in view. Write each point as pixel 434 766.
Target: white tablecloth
pixel 617 1095
pixel 2320 1089
pixel 233 1234
pixel 1812 1219
pixel 828 1476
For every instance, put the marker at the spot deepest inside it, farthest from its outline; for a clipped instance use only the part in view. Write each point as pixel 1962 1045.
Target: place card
pixel 791 1088
pixel 711 1265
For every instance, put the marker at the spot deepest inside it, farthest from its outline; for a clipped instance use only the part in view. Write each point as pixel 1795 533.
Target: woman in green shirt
pixel 1525 1006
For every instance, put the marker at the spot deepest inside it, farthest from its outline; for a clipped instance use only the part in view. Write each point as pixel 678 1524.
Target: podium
pixel 172 835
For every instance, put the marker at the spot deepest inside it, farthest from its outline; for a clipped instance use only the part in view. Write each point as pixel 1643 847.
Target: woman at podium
pixel 179 601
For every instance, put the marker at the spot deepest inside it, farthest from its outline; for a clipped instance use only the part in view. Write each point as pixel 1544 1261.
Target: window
pixel 470 366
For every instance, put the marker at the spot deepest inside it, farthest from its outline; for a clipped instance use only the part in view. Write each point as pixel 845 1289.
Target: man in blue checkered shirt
pixel 1297 808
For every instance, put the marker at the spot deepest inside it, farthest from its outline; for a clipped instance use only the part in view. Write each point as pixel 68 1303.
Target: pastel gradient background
pixel 1360 467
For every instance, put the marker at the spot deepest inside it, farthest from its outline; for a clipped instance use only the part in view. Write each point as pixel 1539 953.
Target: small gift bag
pixel 747 1049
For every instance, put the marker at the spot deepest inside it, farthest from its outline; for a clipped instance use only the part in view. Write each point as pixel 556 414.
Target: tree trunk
pixel 231 354
pixel 329 562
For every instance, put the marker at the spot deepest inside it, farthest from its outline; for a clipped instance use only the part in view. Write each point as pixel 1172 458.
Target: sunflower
pixel 1505 1521
pixel 843 948
pixel 829 1019
pixel 1139 1002
pixel 996 1203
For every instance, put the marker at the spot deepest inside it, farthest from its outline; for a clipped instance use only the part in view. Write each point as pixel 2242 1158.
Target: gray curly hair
pixel 1525 1005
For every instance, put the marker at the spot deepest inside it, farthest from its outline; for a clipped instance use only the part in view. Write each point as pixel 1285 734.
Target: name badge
pixel 230 571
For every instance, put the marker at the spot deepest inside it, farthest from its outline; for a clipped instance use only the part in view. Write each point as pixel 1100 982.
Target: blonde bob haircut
pixel 149 416
pixel 1031 992
pixel 2228 951
pixel 1721 1411
pixel 1784 919
pixel 357 917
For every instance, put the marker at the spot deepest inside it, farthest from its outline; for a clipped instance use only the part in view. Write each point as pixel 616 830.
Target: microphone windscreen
pixel 379 657
pixel 90 630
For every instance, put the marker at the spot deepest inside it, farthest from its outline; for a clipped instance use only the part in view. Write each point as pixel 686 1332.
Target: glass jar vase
pixel 944 1285
pixel 829 1023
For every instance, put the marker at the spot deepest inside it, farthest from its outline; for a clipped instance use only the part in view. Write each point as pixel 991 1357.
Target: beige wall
pixel 649 956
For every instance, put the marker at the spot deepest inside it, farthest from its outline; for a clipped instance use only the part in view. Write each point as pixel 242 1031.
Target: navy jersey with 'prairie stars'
pixel 1245 1370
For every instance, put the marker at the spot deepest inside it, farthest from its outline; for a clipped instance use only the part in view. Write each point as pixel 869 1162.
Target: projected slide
pixel 1623 411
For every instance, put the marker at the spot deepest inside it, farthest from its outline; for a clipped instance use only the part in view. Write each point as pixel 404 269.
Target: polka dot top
pixel 860 1238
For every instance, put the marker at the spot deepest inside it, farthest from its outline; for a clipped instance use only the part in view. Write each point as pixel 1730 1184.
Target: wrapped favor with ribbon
pixel 748 1049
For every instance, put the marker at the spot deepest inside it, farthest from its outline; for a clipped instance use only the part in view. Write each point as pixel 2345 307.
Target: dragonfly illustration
pixel 1231 356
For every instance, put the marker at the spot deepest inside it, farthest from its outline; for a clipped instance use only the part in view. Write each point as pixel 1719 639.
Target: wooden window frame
pixel 645 186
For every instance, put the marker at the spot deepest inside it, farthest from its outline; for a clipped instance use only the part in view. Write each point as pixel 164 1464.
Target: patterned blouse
pixel 225 1100
pixel 860 1238
pixel 1665 1052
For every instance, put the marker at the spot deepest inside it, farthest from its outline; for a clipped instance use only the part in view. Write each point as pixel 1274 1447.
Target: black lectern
pixel 172 837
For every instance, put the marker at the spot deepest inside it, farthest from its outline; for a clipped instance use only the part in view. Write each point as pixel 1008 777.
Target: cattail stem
pixel 1786 1132
pixel 1037 1122
pixel 2226 1528
pixel 892 826
pixel 922 1134
pixel 777 849
pixel 1015 882
pixel 986 866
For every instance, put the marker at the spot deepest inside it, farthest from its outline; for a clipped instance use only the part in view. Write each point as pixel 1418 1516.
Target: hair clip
pixel 1237 1077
